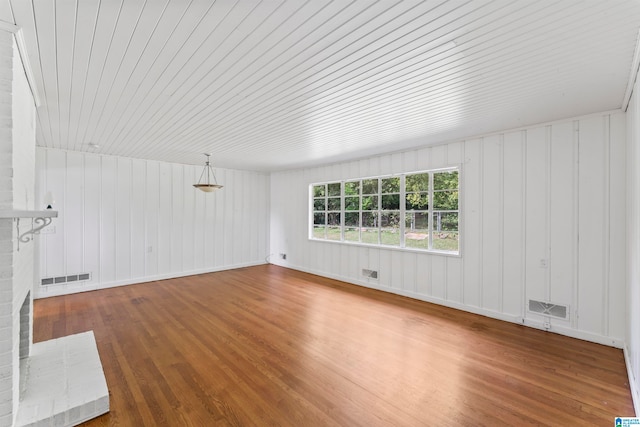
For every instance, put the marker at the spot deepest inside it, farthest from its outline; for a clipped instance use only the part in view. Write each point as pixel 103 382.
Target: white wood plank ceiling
pixel 275 84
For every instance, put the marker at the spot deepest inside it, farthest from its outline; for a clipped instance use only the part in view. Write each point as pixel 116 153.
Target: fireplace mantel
pixel 11 213
pixel 39 220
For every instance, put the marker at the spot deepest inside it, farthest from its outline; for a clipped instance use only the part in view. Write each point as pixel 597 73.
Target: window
pixel 327 211
pixel 413 211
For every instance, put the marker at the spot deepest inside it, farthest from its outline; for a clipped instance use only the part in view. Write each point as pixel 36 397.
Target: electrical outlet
pixel 544 263
pixel 547 325
pixel 51 229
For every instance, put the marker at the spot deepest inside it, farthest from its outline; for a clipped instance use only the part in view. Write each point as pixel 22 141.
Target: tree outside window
pixel 416 211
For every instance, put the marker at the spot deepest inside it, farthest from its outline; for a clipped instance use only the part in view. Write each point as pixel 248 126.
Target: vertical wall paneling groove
pixel 153 212
pixel 532 226
pixel 190 223
pixel 200 227
pixel 405 271
pixel 535 224
pixel 472 226
pixel 512 260
pixel 145 222
pixel 454 281
pixel 83 207
pixel 576 224
pixel 219 216
pixel 42 188
pixel 255 224
pixel 107 223
pixel 130 219
pixel 606 224
pixel 127 220
pixel 462 207
pixel 230 218
pixel 523 228
pixel 548 163
pixel 481 204
pixel 500 210
pixel 100 217
pixel 209 220
pixel 198 230
pixel 395 261
pixel 592 183
pixel 165 218
pixel 423 281
pixel 455 157
pixel 72 195
pixel 177 224
pixel 561 239
pixel 413 271
pixel 445 274
pixel 490 294
pixel 242 222
pixel 248 219
pixel 617 223
pixel 123 210
pixel 226 219
pixel 239 217
pixel 446 296
pixel 430 276
pixel 199 222
pixel 65 206
pixel 137 218
pixel 117 194
pixel 186 224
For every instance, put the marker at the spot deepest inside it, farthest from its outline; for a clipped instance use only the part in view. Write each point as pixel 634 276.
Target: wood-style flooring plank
pixel 268 346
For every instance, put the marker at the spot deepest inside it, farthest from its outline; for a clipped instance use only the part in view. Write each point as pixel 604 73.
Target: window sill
pixel 392 248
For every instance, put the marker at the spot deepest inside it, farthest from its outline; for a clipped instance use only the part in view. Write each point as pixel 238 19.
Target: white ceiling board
pixel 277 84
pixel 84 36
pixel 5 11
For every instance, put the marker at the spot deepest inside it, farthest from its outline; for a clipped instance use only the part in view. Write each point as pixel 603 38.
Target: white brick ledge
pixel 63 383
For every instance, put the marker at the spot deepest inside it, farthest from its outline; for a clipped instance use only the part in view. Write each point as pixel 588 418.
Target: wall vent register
pixel 549 309
pixel 81 277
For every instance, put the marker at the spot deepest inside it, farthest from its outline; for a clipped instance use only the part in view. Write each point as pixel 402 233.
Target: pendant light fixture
pixel 207 186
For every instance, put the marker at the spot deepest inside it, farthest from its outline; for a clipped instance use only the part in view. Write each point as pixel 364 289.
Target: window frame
pixel 431 211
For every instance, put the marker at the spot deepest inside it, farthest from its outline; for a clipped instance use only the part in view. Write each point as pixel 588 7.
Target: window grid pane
pixel 445 231
pixel 414 211
pixel 417 229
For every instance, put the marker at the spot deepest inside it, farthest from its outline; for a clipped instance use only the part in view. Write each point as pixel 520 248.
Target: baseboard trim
pixel 372 283
pixel 66 289
pixel 633 385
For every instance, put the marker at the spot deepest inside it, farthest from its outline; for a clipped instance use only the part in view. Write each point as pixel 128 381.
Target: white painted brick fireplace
pixel 10 261
pixel 58 382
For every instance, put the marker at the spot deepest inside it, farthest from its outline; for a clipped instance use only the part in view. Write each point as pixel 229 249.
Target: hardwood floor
pixel 269 346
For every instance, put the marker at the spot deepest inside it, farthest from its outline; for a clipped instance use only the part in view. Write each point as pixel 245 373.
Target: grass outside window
pixel 417 211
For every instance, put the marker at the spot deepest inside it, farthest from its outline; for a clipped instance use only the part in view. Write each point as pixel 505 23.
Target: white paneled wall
pixel 17 163
pixel 126 220
pixel 543 213
pixel 632 349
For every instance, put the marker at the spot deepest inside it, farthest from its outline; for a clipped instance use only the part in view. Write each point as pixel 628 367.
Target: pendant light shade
pixel 207 186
